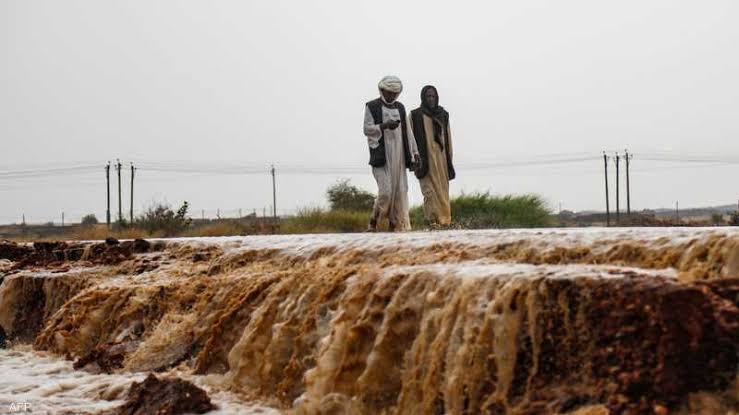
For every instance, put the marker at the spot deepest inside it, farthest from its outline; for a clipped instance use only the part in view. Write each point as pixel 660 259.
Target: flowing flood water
pixel 592 321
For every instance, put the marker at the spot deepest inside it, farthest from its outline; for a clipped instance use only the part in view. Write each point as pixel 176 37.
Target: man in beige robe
pixel 430 126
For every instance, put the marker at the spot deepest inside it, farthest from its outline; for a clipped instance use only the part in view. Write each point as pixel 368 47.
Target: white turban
pixel 391 83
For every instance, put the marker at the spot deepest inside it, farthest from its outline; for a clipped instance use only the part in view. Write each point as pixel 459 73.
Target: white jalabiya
pixel 392 181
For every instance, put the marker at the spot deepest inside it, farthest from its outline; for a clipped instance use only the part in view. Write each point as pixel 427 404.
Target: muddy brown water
pixel 463 322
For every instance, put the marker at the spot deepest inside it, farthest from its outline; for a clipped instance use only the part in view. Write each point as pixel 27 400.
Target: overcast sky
pixel 208 83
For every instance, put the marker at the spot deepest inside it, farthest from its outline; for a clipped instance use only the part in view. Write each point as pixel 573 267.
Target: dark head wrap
pixel 438 114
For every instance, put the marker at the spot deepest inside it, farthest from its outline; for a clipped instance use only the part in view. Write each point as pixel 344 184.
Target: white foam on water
pixel 40 383
pixel 485 269
pixel 305 244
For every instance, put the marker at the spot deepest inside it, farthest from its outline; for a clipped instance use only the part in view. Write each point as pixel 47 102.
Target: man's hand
pixel 416 163
pixel 390 125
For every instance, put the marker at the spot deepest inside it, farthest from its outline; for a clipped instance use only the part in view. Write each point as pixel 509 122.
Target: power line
pixel 21 174
pixel 689 159
pixel 257 168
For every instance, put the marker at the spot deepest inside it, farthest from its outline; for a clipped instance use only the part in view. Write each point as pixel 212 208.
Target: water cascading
pixel 461 322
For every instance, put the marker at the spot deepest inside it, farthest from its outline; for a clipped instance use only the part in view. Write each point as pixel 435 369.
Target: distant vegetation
pixel 349 211
pixel 160 218
pixel 344 196
pixel 734 218
pixel 483 210
pixel 351 208
pixel 89 220
pixel 317 220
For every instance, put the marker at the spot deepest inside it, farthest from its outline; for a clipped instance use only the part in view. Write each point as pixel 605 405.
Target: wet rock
pixel 49 247
pixel 22 307
pixel 41 254
pixel 74 254
pixel 3 342
pixel 109 252
pixel 59 255
pixel 28 300
pixel 165 396
pixel 111 241
pixel 13 252
pixel 141 246
pixel 200 256
pixel 105 357
pixel 659 342
pixel 569 403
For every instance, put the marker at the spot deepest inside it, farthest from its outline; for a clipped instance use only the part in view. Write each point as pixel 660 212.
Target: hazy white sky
pixel 196 83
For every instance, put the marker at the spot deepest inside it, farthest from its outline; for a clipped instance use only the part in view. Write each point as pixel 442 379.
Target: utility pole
pixel 677 211
pixel 24 219
pixel 107 181
pixel 618 210
pixel 133 171
pixel 608 209
pixel 202 214
pixel 628 188
pixel 120 198
pixel 274 193
pixel 62 219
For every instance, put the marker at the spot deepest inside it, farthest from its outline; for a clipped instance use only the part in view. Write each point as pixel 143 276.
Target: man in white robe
pixel 392 150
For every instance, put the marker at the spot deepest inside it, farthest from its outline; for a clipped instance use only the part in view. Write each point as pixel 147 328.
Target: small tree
pixel 161 218
pixel 89 220
pixel 345 196
pixel 734 219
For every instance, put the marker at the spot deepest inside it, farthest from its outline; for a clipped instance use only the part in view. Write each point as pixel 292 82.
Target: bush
pixel 734 219
pixel 161 218
pixel 345 196
pixel 482 210
pixel 89 220
pixel 717 218
pixel 317 220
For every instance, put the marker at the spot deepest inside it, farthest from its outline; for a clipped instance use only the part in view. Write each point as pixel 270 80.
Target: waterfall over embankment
pixel 461 322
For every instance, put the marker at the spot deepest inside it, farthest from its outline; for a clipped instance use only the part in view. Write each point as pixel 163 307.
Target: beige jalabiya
pixel 435 185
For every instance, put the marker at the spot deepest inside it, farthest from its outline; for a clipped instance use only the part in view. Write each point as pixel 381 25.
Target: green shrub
pixel 344 196
pixel 482 210
pixel 717 219
pixel 317 220
pixel 89 220
pixel 160 218
pixel 734 218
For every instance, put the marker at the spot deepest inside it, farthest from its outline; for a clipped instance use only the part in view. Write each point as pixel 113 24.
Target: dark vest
pixel 377 154
pixel 419 131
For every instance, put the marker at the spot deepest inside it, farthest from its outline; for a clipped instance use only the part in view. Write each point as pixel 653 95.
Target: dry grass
pixel 218 229
pixel 99 232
